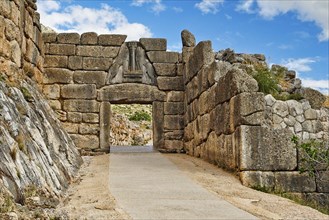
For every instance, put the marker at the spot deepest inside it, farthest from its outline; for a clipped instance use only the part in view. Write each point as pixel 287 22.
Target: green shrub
pixel 285 97
pixel 140 116
pixel 26 93
pixel 267 82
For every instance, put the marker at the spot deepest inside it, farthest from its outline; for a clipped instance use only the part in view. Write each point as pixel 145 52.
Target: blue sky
pixel 291 33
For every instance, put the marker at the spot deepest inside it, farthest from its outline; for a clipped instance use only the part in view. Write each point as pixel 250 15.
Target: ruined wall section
pixel 85 74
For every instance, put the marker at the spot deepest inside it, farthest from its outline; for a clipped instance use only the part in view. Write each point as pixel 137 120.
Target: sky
pixel 294 34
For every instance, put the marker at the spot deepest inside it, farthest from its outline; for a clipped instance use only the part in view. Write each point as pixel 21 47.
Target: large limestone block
pixel 163 57
pixel 75 91
pixel 202 56
pixel 172 146
pixel 90 118
pixel 89 38
pixel 171 83
pixel 75 117
pixel 175 96
pixel 188 39
pixel 258 179
pixel 158 130
pixel 105 124
pixel 294 182
pixel 174 135
pixel 51 91
pixel 248 109
pixel 88 128
pixel 156 44
pixel 75 62
pixel 265 149
pixel 61 49
pixel 131 93
pixel 71 128
pixel 173 122
pixel 111 39
pixel 81 106
pixel 68 38
pixel 165 69
pixel 49 37
pixel 233 83
pixel 90 77
pixel 322 181
pixel 173 108
pixel 52 61
pixel 85 141
pixel 93 63
pixel 97 51
pixel 58 75
pixel 315 97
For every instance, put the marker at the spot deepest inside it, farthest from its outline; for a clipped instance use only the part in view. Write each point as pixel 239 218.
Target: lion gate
pixel 85 74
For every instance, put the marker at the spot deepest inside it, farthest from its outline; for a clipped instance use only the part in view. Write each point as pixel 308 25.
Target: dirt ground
pixel 90 198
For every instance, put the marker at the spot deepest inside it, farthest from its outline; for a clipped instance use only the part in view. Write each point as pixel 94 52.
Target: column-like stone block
pixel 173 108
pixel 156 44
pixel 173 122
pixel 90 77
pixel 76 91
pixel 265 149
pixel 105 124
pixel 68 38
pixel 111 39
pixel 81 106
pixel 163 57
pixel 171 83
pixel 158 129
pixel 57 75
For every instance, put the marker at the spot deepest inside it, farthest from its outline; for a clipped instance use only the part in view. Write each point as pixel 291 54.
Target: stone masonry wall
pixel 230 124
pixel 85 74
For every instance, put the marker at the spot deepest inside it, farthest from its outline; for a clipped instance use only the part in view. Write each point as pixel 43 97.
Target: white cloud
pixel 75 18
pixel 299 65
pixel 157 6
pixel 311 10
pixel 177 9
pixel 285 47
pixel 321 85
pixel 209 6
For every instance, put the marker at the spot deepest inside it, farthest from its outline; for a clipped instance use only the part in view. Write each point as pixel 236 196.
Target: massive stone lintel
pixel 132 66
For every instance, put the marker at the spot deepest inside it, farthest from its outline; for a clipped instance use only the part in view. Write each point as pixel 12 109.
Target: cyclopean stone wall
pixel 230 124
pixel 85 74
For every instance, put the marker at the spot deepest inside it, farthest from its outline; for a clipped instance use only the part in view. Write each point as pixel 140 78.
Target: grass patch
pixel 140 116
pixel 27 95
pixel 285 97
pixel 267 82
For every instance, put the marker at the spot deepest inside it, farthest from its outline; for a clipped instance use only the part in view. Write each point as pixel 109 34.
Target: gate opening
pixel 131 125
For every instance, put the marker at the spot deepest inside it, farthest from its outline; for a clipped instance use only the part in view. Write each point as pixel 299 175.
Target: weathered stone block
pixel 211 151
pixel 52 61
pixel 49 37
pixel 88 129
pixel 90 118
pixel 51 91
pixel 202 55
pixel 85 141
pixel 173 108
pixel 174 135
pixel 188 38
pixel 68 38
pixel 75 117
pixel 75 62
pixel 271 150
pixel 322 181
pixel 131 93
pixel 158 44
pixel 294 182
pixel 57 75
pixel 175 96
pixel 158 132
pixel 81 106
pixel 204 126
pixel 173 122
pixel 165 69
pixel 75 91
pixel 61 49
pixel 258 179
pixel 233 83
pixel 97 51
pixel 172 146
pixel 163 57
pixel 55 104
pixel 89 38
pixel 71 128
pixel 90 63
pixel 310 114
pixel 105 124
pixel 204 102
pixel 171 83
pixel 111 39
pixel 90 77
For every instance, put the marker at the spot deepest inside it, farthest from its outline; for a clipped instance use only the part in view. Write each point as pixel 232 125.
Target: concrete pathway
pixel 149 186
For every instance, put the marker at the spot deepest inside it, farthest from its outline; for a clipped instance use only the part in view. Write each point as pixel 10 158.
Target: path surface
pixel 149 186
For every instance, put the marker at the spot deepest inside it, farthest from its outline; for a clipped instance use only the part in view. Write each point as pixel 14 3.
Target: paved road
pixel 149 186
